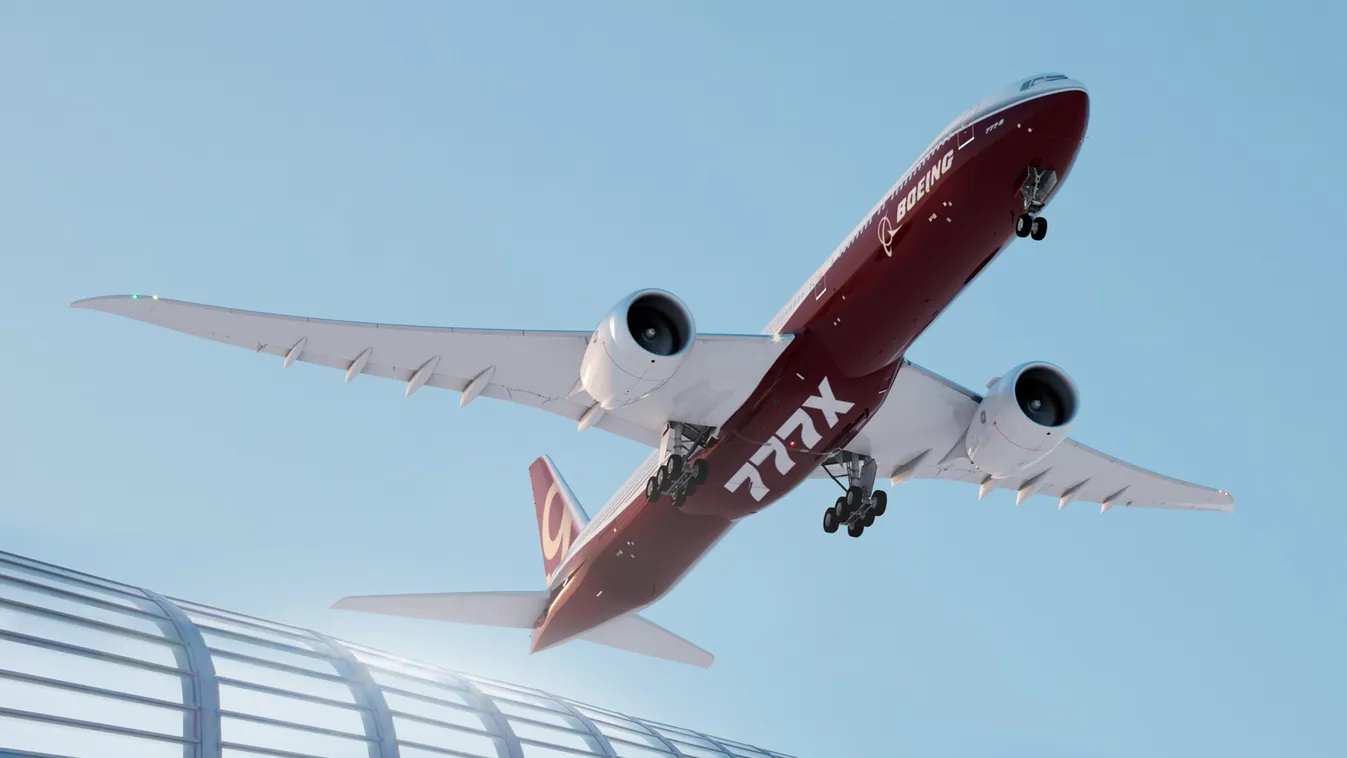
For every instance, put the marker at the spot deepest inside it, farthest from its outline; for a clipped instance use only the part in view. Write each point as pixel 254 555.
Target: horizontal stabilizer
pixel 636 634
pixel 515 610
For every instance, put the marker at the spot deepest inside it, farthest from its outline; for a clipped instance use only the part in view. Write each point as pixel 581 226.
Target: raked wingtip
pixel 102 302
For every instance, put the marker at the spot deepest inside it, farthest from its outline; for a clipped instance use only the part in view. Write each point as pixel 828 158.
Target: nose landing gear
pixel 860 505
pixel 1037 185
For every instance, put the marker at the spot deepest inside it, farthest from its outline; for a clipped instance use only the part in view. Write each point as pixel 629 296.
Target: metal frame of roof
pixel 90 666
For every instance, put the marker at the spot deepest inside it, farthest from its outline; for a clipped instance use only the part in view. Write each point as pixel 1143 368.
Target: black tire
pixel 700 470
pixel 855 528
pixel 662 479
pixel 855 498
pixel 652 492
pixel 881 500
pixel 674 466
pixel 678 499
pixel 830 520
pixel 843 512
pixel 869 519
pixel 1039 230
pixel 1023 225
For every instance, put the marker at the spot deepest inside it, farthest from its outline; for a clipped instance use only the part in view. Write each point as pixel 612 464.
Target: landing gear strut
pixel 1034 191
pixel 675 476
pixel 860 504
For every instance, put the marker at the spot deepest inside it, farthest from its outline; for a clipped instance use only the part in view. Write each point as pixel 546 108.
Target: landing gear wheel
pixel 674 466
pixel 881 503
pixel 855 498
pixel 868 519
pixel 700 470
pixel 662 479
pixel 855 528
pixel 652 491
pixel 1023 225
pixel 843 511
pixel 830 520
pixel 678 499
pixel 1039 229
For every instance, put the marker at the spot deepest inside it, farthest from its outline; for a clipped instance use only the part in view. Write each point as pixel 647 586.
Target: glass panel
pixel 542 751
pixel 522 697
pixel 630 735
pixel 682 736
pixel 253 734
pixel 25 593
pixel 408 668
pixel 298 660
pixel 243 620
pixel 85 706
pixel 207 622
pixel 20 561
pixel 438 711
pixel 104 641
pixel 285 680
pixel 56 739
pixel 420 687
pixel 82 588
pixel 744 752
pixel 38 661
pixel 562 737
pixel 697 752
pixel 411 751
pixel 627 750
pixel 448 737
pixel 538 714
pixel 294 710
pixel 609 718
pixel 234 752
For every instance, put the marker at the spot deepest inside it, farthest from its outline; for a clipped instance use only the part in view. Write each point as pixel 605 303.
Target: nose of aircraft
pixel 1030 88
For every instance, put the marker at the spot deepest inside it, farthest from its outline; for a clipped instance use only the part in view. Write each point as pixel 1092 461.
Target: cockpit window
pixel 1029 83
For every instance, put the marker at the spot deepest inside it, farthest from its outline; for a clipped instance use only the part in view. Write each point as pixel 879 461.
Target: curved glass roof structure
pixel 91 668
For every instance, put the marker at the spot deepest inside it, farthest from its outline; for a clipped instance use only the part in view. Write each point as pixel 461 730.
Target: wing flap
pixel 637 634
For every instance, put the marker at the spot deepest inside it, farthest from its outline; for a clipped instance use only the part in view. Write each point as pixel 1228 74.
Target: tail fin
pixel 515 610
pixel 559 523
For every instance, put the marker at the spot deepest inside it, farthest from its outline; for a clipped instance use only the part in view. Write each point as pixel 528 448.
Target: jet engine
pixel 637 347
pixel 1025 415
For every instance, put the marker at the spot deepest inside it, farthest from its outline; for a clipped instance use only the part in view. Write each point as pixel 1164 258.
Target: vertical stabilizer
pixel 560 517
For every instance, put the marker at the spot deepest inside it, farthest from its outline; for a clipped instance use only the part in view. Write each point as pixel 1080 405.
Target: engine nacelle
pixel 1025 415
pixel 637 347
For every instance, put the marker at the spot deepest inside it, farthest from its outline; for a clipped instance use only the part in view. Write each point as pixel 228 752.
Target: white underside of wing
pixel 533 368
pixel 923 422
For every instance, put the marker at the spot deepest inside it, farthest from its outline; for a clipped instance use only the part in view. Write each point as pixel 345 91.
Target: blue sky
pixel 528 164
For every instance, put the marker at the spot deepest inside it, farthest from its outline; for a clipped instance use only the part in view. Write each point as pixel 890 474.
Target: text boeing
pixel 888 228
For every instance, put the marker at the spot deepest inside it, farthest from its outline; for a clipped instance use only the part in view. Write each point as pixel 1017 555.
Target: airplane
pixel 737 421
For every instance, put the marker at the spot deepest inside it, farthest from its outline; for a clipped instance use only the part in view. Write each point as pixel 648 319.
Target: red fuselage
pixel 933 234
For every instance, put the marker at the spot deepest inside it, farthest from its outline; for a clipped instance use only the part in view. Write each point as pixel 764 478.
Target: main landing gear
pixel 1034 191
pixel 860 504
pixel 675 476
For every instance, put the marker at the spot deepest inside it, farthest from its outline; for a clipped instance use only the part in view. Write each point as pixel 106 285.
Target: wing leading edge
pixel 539 369
pixel 918 434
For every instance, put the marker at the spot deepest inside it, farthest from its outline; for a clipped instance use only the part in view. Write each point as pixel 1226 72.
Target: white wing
pixel 924 419
pixel 534 368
